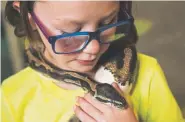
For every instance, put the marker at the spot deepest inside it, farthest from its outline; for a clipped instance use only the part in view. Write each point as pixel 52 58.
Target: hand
pixel 91 110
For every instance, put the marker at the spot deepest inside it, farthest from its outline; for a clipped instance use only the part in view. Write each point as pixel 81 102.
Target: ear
pixel 16 5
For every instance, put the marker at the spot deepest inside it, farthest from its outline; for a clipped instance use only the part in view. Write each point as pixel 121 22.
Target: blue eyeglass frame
pixel 92 35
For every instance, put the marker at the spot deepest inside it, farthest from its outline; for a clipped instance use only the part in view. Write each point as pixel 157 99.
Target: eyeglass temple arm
pixel 40 25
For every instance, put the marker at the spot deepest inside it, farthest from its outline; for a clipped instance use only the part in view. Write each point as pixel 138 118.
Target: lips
pixel 86 59
pixel 86 62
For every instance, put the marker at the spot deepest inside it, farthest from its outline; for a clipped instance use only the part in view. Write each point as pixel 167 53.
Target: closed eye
pixel 112 21
pixel 69 32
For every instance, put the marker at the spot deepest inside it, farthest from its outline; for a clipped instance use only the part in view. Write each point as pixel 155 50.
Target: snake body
pixel 101 91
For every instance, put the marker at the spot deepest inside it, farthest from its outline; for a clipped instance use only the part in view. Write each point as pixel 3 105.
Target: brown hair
pixel 23 28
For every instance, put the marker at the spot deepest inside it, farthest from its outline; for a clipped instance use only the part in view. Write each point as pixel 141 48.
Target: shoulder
pixel 154 93
pixel 145 60
pixel 149 69
pixel 149 74
pixel 17 91
pixel 150 77
pixel 20 82
pixel 147 66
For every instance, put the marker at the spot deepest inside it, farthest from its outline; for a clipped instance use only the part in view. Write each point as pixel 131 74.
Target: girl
pixel 83 65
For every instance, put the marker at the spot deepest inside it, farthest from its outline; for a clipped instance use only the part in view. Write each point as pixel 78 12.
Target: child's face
pixel 72 17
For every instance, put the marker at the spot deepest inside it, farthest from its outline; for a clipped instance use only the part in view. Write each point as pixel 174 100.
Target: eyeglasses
pixel 68 43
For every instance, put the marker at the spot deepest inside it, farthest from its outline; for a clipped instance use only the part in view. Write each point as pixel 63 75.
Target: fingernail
pixel 113 84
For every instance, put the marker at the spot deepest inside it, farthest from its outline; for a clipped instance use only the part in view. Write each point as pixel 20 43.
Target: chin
pixel 84 69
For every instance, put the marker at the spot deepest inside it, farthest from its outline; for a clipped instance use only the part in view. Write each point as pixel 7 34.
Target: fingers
pixel 83 116
pixel 115 85
pixel 89 108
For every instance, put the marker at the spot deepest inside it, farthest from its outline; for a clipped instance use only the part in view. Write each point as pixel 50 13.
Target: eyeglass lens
pixel 75 43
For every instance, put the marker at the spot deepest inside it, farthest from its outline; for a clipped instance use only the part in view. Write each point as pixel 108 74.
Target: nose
pixel 93 47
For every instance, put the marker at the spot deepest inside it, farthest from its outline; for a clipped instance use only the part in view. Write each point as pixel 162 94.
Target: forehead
pixel 75 8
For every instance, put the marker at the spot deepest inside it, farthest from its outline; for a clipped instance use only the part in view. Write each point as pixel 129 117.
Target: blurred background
pixel 161 26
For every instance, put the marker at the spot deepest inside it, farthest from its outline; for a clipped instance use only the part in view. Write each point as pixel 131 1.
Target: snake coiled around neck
pixel 122 66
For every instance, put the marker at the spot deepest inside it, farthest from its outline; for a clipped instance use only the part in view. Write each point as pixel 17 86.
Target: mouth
pixel 86 62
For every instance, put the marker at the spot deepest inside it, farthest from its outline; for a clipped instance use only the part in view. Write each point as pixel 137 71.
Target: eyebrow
pixel 64 19
pixel 73 22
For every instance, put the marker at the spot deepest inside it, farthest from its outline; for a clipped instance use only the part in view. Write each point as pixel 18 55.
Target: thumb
pixel 116 86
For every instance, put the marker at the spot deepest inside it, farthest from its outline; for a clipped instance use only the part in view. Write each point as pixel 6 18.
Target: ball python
pixel 120 66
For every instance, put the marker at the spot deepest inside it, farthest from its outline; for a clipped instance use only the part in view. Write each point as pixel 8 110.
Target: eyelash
pixel 64 32
pixel 111 22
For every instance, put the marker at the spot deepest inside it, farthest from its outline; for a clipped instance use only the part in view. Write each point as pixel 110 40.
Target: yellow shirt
pixel 29 97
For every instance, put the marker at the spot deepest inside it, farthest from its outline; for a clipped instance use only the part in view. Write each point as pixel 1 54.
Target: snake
pixel 119 65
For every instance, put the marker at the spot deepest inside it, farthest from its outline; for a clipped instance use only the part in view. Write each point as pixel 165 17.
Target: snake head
pixel 106 93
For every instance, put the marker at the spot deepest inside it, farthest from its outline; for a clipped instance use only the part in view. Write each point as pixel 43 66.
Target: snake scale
pixel 119 66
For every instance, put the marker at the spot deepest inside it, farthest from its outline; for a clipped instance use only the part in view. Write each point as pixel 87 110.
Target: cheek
pixel 60 60
pixel 63 61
